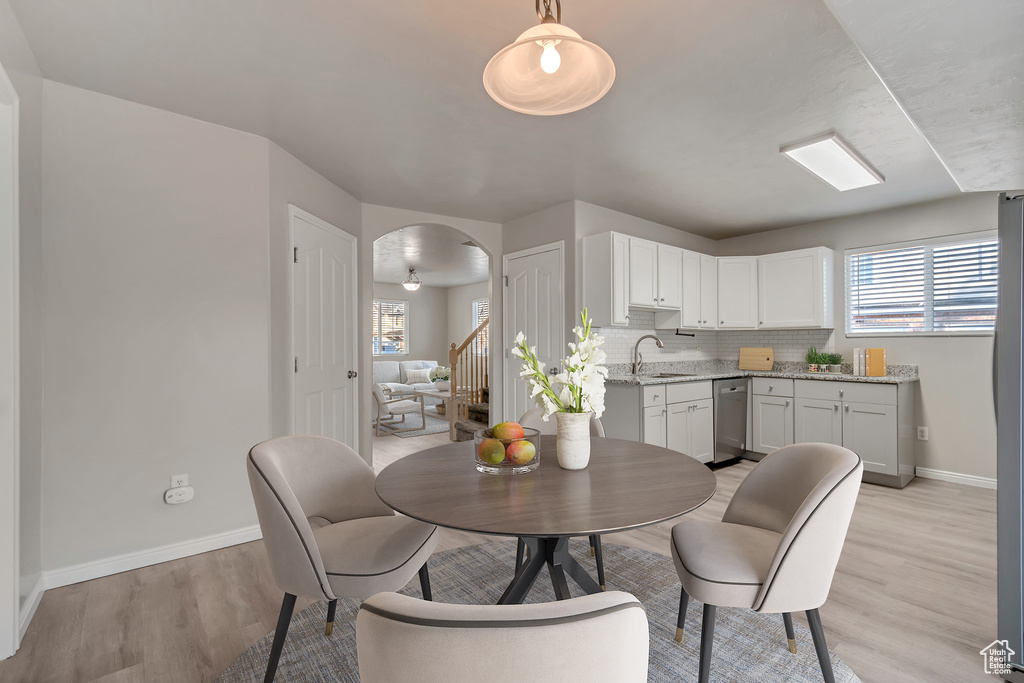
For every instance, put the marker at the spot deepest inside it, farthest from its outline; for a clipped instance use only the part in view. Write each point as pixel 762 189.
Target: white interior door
pixel 533 306
pixel 324 330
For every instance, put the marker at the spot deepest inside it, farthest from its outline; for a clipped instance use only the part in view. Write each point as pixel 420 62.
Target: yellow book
pixel 874 360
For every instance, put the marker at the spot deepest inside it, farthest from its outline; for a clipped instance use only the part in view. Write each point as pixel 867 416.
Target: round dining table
pixel 625 486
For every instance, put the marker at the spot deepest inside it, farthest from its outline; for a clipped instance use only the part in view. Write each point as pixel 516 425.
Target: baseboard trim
pixel 31 605
pixel 957 478
pixel 87 571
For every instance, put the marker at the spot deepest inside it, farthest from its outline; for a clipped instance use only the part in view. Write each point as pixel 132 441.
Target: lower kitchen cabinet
pixel 772 423
pixel 875 421
pixel 655 419
pixel 691 429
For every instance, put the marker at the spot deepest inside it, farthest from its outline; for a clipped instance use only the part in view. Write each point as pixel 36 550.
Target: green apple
pixel 491 451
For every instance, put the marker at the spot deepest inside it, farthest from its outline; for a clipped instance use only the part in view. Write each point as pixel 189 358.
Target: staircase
pixel 469 379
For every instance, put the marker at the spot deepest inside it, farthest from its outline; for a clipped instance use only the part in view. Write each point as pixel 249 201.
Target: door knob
pixel 553 370
pixel 352 374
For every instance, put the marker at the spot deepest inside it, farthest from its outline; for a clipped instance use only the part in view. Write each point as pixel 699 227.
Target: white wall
pixel 292 182
pixel 20 65
pixel 380 220
pixel 427 328
pixel 955 391
pixel 460 310
pixel 156 324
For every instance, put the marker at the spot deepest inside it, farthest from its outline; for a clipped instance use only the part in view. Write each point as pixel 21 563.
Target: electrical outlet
pixel 178 480
pixel 922 433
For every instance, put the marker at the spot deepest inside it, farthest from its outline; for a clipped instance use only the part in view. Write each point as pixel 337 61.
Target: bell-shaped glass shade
pixel 516 79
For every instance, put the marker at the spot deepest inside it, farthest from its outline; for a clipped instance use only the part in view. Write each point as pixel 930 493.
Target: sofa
pixel 394 375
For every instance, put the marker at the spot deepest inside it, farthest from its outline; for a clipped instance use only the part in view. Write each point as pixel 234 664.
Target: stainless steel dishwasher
pixel 730 418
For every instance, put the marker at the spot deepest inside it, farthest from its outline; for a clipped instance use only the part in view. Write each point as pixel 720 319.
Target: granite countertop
pixel 701 371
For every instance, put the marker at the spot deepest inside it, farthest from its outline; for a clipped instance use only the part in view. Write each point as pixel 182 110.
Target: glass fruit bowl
pixel 515 455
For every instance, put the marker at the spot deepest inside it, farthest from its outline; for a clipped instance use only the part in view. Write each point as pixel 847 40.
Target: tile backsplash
pixel 789 345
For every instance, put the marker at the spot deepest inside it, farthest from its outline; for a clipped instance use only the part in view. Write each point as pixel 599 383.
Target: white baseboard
pixel 56 578
pixel 957 478
pixel 31 604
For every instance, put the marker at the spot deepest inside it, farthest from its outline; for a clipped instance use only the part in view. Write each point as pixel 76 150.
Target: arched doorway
pixel 431 308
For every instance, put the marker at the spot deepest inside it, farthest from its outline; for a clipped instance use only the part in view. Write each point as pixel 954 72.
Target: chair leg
pixel 707 637
pixel 787 619
pixel 287 607
pixel 818 634
pixel 332 606
pixel 520 553
pixel 595 548
pixel 684 601
pixel 425 582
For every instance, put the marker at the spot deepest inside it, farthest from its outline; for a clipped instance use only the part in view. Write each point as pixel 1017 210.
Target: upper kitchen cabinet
pixel 795 289
pixel 655 275
pixel 737 292
pixel 700 292
pixel 606 278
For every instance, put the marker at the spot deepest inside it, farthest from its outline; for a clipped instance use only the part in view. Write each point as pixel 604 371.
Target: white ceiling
pixel 442 257
pixel 385 98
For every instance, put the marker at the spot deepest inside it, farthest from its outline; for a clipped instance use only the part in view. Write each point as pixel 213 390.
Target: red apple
pixel 508 430
pixel 491 451
pixel 521 452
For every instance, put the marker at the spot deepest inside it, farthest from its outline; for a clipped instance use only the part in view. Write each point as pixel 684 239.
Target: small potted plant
pixel 441 377
pixel 835 362
pixel 813 360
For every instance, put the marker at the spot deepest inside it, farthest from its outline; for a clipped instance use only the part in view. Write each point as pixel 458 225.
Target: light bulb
pixel 550 60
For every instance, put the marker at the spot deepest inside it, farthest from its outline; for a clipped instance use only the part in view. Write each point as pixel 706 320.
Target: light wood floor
pixel 913 599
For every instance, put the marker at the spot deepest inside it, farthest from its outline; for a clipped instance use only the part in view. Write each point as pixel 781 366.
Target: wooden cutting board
pixel 757 359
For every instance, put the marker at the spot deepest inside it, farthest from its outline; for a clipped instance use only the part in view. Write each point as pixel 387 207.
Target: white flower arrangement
pixel 440 374
pixel 580 384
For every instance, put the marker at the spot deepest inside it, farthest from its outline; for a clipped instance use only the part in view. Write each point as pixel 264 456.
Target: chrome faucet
pixel 638 360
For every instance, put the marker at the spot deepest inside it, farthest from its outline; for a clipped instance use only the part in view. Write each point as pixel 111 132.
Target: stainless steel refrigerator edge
pixel 1007 385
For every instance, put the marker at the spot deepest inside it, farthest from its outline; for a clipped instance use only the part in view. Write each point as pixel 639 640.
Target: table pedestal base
pixel 554 552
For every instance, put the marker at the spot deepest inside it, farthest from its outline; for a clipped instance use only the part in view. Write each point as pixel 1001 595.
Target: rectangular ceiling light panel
pixel 834 161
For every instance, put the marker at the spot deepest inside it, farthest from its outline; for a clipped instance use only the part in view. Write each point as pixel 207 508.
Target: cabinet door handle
pixel 657 395
pixel 787 403
pixel 662 298
pixel 770 387
pixel 840 393
pixel 721 322
pixel 627 317
pixel 847 407
pixel 835 406
pixel 664 410
pixel 760 322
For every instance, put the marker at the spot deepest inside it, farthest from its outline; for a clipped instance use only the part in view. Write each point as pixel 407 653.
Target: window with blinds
pixel 944 287
pixel 390 329
pixel 482 311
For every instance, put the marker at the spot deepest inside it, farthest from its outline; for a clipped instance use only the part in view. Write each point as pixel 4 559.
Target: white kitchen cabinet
pixel 655 275
pixel 772 423
pixel 655 421
pixel 691 429
pixel 670 277
pixel 708 292
pixel 700 293
pixel 606 278
pixel 643 273
pixel 737 292
pixel 794 289
pixel 874 420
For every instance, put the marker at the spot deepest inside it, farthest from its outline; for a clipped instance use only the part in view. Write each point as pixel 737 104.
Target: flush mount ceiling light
pixel 412 283
pixel 834 161
pixel 549 69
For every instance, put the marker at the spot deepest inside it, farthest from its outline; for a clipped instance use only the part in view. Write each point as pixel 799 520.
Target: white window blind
pixel 947 286
pixel 389 327
pixel 482 311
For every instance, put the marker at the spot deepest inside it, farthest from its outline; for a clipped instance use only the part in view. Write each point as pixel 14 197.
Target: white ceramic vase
pixel 573 441
pixel 443 385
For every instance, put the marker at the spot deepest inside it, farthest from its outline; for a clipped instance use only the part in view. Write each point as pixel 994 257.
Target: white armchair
pixel 389 410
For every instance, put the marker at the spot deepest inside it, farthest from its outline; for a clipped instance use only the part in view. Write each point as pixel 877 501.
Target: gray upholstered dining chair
pixel 601 638
pixel 777 546
pixel 327 534
pixel 534 418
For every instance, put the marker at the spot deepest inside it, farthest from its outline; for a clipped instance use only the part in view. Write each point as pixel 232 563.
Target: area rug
pixel 748 646
pixel 435 425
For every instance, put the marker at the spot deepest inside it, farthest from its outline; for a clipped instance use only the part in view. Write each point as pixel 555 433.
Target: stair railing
pixel 469 378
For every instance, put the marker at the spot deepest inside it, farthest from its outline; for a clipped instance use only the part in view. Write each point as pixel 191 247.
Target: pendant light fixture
pixel 412 283
pixel 549 69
